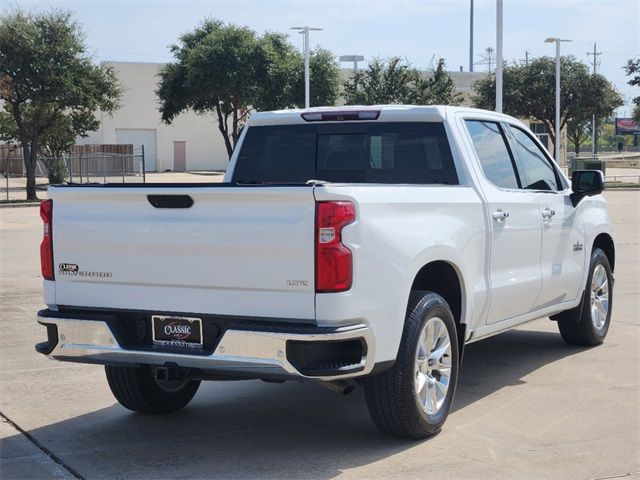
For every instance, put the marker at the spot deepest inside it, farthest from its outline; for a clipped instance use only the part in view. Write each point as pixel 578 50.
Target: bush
pixel 57 170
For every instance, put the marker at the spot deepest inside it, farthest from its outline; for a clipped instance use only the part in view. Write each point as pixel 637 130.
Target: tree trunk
pixel 30 160
pixel 234 132
pixel 224 130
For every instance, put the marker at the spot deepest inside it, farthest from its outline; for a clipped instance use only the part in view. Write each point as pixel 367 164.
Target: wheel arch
pixel 604 241
pixel 445 279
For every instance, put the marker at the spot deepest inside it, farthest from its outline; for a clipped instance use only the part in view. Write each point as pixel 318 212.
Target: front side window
pixel 493 153
pixel 536 172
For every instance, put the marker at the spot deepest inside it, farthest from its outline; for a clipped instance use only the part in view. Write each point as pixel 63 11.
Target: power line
pixel 488 58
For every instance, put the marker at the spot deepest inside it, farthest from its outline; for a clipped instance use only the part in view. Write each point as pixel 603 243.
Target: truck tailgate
pixel 245 251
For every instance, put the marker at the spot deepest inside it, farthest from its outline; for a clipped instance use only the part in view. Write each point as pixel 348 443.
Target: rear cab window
pixel 363 152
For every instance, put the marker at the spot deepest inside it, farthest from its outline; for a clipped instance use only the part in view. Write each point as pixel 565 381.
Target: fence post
pixel 122 156
pixel 144 174
pixel 104 168
pixel 69 168
pixel 80 167
pixel 6 170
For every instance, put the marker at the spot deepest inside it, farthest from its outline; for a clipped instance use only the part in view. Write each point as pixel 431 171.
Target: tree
pixel 383 82
pixel 395 81
pixel 324 79
pixel 633 68
pixel 48 83
pixel 529 92
pixel 437 89
pixel 578 132
pixel 230 71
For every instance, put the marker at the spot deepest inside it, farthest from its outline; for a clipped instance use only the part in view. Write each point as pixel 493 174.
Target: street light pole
pixel 557 121
pixel 305 31
pixel 557 145
pixel 499 56
pixel 471 36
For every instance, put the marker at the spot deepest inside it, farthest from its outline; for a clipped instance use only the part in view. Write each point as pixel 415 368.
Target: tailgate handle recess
pixel 170 201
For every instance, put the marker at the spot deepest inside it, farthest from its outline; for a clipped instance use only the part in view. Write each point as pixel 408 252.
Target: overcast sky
pixel 417 30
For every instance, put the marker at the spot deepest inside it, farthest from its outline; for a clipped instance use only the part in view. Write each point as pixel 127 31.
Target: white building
pixel 191 142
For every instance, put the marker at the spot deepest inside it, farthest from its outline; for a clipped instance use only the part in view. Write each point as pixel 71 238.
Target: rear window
pixel 370 152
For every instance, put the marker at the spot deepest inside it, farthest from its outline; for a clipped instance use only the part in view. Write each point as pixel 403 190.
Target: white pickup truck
pixel 354 245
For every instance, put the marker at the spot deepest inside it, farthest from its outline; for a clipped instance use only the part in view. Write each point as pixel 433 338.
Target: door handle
pixel 170 201
pixel 500 215
pixel 548 213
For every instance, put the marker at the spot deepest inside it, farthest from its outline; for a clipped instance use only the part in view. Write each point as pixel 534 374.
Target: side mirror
pixel 585 183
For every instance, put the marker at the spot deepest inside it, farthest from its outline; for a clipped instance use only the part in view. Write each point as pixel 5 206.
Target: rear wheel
pixel 591 322
pixel 413 398
pixel 137 389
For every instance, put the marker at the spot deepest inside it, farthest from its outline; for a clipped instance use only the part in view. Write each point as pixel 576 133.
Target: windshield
pixel 367 152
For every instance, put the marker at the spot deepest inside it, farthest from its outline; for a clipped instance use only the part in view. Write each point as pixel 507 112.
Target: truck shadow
pixel 254 429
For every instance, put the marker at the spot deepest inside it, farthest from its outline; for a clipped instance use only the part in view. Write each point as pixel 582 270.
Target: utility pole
pixel 487 58
pixel 305 31
pixel 471 37
pixel 594 134
pixel 526 57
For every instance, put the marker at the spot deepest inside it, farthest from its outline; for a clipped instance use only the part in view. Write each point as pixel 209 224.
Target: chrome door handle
pixel 500 216
pixel 548 213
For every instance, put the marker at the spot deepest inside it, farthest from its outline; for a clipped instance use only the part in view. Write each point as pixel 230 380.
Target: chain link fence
pixel 81 164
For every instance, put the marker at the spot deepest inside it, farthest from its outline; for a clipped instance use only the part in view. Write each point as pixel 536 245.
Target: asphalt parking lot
pixel 527 406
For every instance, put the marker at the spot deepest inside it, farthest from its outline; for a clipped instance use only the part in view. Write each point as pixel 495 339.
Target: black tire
pixel 579 327
pixel 136 389
pixel 391 396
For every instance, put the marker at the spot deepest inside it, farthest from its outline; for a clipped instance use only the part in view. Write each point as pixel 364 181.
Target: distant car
pixel 355 245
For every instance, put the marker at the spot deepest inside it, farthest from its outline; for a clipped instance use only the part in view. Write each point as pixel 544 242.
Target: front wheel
pixel 413 398
pixel 137 389
pixel 591 324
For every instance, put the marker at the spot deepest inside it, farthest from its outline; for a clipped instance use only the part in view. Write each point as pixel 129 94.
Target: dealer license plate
pixel 177 331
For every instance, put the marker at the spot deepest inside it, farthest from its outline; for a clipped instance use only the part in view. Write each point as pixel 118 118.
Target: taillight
pixel 333 259
pixel 46 247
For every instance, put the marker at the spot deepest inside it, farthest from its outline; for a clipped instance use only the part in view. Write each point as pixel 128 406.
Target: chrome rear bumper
pixel 245 353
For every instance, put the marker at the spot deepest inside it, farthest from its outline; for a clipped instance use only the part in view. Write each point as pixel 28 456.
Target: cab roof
pixel 388 113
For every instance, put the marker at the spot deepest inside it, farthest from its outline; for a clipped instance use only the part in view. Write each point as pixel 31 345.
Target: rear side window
pixel 491 147
pixel 368 152
pixel 536 173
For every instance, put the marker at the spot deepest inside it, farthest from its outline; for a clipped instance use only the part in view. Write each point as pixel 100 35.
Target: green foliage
pixel 437 89
pixel 324 81
pixel 383 82
pixel 231 71
pixel 529 92
pixel 578 132
pixel 49 84
pixel 394 81
pixel 608 139
pixel 632 69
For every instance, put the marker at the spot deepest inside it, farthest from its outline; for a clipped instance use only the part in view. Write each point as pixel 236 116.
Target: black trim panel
pixel 170 201
pixel 47 347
